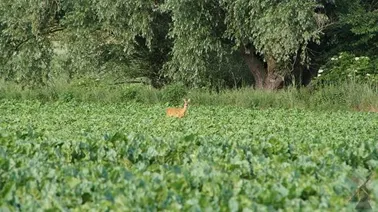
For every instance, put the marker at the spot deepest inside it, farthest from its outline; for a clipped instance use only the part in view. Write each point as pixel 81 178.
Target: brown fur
pixel 178 112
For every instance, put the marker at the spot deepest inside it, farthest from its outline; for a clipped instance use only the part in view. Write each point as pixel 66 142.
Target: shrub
pixel 348 67
pixel 174 93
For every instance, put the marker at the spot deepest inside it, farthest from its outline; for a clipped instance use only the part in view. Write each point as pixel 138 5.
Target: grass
pixel 346 96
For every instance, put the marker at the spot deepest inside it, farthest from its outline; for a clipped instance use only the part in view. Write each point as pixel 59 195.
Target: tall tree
pixel 24 30
pixel 199 36
pixel 270 35
pixel 92 32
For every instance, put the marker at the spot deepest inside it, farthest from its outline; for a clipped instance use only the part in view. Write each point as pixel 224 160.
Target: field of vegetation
pixel 72 156
pixel 282 117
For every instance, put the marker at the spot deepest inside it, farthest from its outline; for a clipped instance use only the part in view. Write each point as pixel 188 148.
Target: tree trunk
pixel 255 65
pixel 266 78
pixel 273 80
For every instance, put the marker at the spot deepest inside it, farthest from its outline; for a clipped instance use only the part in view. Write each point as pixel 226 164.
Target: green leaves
pixel 274 29
pixel 84 33
pixel 131 157
pixel 348 67
pixel 197 30
pixel 196 42
pixel 26 51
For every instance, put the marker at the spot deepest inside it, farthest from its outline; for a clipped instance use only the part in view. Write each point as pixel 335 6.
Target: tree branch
pixel 50 31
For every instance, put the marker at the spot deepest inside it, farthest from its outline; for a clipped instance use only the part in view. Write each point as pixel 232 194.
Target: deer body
pixel 178 112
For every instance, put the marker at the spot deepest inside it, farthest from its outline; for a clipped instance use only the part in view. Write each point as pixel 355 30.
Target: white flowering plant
pixel 346 66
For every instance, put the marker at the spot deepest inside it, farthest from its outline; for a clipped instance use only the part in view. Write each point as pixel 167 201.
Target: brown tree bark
pixel 273 80
pixel 265 78
pixel 255 65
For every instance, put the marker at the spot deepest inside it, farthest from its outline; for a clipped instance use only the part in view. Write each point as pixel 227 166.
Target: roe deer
pixel 178 112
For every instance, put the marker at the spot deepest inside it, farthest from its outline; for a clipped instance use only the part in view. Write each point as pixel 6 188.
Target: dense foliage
pixel 71 156
pixel 353 30
pixel 212 43
pixel 349 67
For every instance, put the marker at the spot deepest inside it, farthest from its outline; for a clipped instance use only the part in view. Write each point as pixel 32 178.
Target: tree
pixel 93 33
pixel 353 28
pixel 24 30
pixel 180 40
pixel 270 35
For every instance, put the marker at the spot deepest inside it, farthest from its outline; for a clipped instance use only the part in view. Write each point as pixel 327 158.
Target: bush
pixel 139 93
pixel 174 93
pixel 348 67
pixel 130 93
pixel 67 96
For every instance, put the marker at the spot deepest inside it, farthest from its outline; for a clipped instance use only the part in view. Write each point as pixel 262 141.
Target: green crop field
pixel 129 157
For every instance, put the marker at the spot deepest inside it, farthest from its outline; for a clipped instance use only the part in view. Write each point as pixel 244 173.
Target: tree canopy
pixel 198 42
